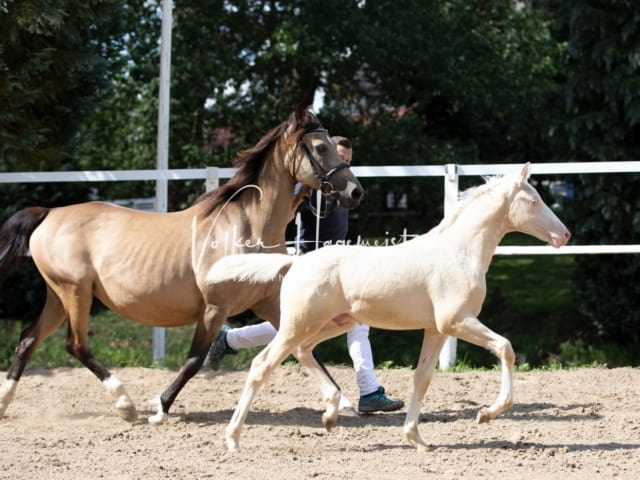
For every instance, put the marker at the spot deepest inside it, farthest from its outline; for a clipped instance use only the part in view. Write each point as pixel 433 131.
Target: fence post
pixel 158 337
pixel 212 182
pixel 448 353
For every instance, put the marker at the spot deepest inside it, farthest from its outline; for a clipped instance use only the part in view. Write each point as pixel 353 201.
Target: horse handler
pixel 324 225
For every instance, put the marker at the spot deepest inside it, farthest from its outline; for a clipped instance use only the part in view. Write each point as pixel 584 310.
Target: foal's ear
pixel 525 173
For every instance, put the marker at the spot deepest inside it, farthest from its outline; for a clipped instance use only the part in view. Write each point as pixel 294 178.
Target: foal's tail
pixel 256 268
pixel 14 237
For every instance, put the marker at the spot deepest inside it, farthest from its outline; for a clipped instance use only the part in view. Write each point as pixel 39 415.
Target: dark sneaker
pixel 219 349
pixel 378 402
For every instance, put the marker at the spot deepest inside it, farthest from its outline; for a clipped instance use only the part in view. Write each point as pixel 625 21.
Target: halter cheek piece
pixel 326 186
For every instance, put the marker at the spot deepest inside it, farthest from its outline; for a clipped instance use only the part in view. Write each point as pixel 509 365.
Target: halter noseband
pixel 326 186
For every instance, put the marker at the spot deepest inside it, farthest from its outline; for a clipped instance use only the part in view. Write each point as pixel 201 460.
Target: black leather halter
pixel 319 171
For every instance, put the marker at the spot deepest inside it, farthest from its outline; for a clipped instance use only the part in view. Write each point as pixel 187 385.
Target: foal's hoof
pixel 484 416
pixel 328 421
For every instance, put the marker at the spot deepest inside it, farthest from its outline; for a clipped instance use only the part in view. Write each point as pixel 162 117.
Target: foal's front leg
pixel 473 331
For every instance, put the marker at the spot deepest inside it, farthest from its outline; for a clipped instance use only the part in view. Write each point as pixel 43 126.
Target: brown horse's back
pixel 137 263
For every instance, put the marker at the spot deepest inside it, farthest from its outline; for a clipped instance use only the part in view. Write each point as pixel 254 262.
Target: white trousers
pixel 357 343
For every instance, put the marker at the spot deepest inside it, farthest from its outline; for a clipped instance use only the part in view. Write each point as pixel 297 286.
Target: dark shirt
pixel 334 223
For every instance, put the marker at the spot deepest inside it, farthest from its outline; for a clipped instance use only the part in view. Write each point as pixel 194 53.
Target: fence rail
pixel 449 172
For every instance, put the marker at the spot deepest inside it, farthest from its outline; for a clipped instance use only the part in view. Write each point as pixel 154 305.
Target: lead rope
pixel 318 202
pixel 298 232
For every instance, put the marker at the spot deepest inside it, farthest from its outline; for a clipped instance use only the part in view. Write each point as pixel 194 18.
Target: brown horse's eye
pixel 321 149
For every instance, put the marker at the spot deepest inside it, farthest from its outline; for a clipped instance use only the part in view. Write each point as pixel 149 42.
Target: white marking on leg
pixel 124 404
pixel 7 392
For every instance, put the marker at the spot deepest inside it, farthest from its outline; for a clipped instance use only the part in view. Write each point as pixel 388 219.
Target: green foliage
pixel 51 68
pixel 115 341
pixel 430 82
pixel 604 104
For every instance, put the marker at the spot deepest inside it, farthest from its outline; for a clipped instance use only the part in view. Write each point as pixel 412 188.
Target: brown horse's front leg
pixel 206 330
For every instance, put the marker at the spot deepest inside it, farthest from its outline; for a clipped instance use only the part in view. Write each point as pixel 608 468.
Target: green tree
pixel 55 57
pixel 603 98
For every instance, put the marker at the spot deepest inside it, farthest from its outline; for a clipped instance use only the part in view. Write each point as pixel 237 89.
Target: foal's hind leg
pixel 331 393
pixel 431 346
pixel 261 367
pixel 473 331
pixel 78 303
pixel 50 319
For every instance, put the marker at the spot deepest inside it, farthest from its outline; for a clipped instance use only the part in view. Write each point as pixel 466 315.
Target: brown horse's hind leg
pixel 50 319
pixel 77 344
pixel 206 330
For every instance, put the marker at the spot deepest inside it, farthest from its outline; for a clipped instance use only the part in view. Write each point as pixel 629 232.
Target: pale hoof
pixel 414 439
pixel 127 410
pixel 233 441
pixel 328 421
pixel 348 412
pixel 484 416
pixel 346 408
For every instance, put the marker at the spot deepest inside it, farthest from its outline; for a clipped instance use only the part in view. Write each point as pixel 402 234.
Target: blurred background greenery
pixel 411 82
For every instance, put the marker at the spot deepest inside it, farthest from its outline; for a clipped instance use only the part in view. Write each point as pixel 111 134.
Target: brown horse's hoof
pixel 129 413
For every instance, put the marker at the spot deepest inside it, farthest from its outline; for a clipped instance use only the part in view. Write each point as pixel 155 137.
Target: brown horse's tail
pixel 14 238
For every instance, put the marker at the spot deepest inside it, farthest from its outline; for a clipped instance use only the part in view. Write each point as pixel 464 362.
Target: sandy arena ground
pixel 582 424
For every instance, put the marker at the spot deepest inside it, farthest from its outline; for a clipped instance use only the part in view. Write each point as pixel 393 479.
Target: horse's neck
pixel 478 229
pixel 270 213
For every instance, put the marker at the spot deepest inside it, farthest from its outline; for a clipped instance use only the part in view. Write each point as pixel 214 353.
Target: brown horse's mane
pixel 249 162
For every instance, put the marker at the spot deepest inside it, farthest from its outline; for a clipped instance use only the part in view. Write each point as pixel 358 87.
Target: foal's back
pixel 372 284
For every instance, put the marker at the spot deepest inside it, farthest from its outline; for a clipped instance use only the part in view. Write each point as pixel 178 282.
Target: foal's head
pixel 529 214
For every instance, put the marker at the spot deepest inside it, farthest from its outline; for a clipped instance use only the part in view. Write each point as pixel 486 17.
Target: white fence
pixel 450 174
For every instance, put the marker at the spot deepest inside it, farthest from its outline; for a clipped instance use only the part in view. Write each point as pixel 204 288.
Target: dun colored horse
pixel 435 282
pixel 150 267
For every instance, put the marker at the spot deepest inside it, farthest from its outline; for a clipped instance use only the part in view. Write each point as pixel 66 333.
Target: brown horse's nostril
pixel 356 194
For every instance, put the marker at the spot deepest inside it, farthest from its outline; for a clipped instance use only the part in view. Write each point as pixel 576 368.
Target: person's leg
pixel 372 397
pixel 251 335
pixel 229 340
pixel 362 358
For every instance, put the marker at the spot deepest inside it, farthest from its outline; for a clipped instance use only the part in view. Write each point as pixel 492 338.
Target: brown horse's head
pixel 316 163
pixel 303 149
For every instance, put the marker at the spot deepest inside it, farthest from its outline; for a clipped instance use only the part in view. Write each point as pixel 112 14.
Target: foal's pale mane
pixel 469 196
pixel 249 162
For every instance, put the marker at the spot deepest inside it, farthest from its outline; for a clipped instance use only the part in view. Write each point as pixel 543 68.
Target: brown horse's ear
pixel 297 118
pixel 311 112
pixel 301 117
